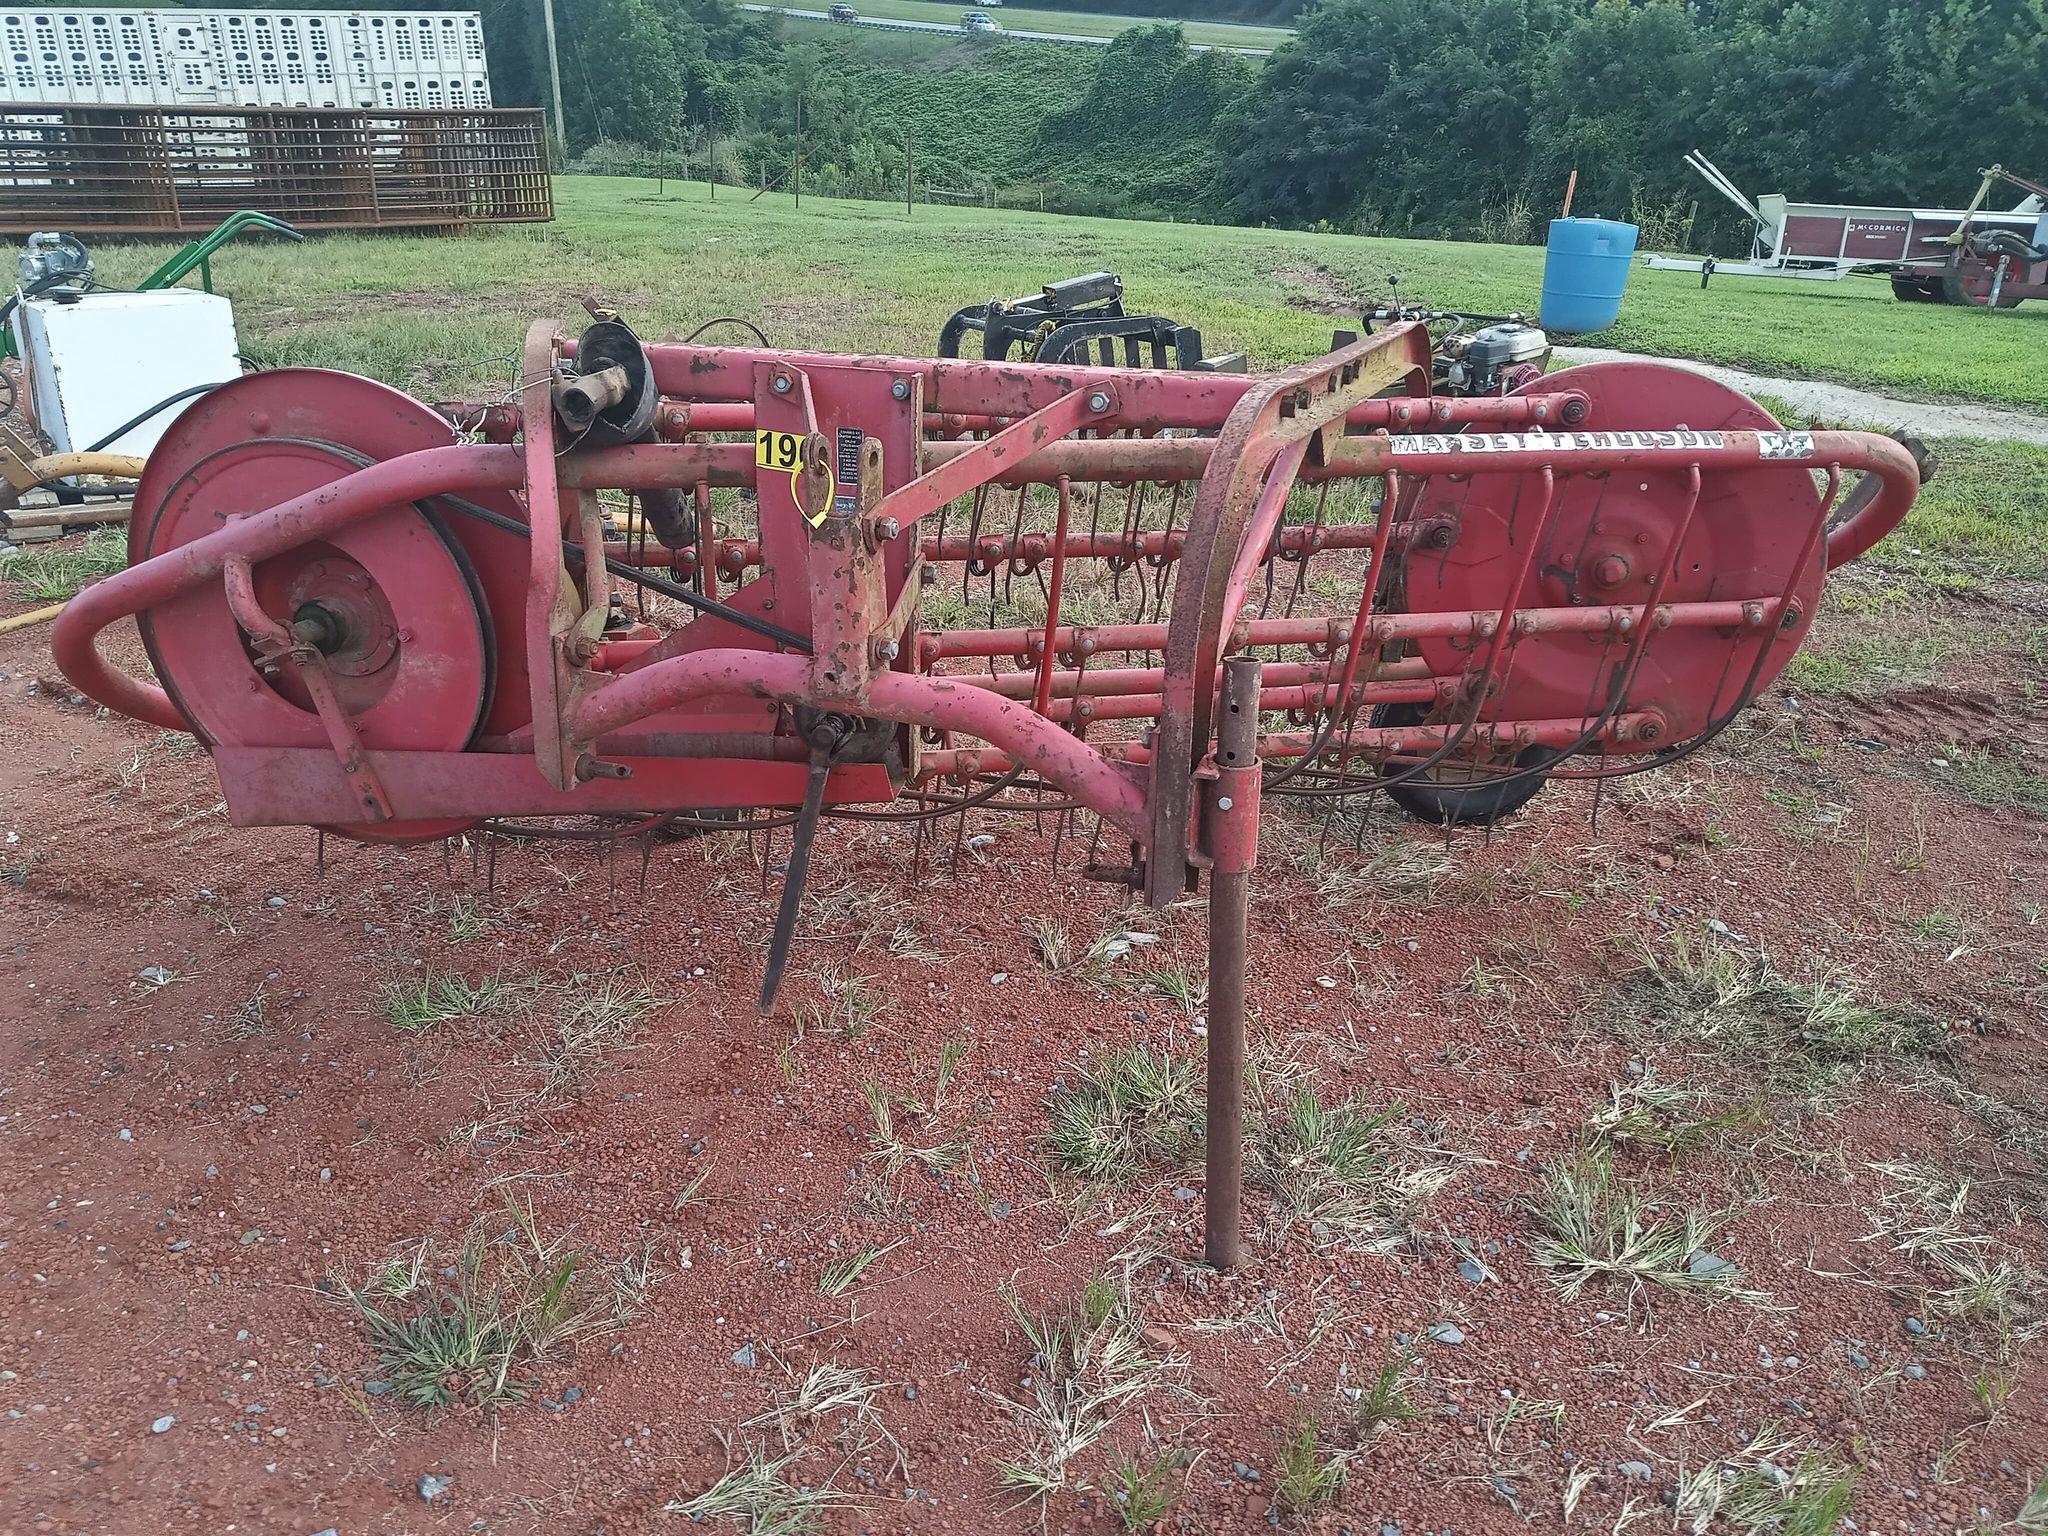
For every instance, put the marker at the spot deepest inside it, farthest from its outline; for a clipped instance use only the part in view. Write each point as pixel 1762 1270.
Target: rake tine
pixel 447 869
pixel 920 830
pixel 967 570
pixel 1126 555
pixel 1016 540
pixel 646 857
pixel 1095 515
pixel 959 840
pixel 1308 550
pixel 320 853
pixel 640 557
pixel 1059 834
pixel 787 908
pixel 491 869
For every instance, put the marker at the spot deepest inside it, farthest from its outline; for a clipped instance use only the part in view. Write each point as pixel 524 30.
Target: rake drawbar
pixel 675 581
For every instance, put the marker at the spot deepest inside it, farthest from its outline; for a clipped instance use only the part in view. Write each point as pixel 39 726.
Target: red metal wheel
pixel 409 641
pixel 1607 537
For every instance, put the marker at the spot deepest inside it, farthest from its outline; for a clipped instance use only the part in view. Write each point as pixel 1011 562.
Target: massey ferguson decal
pixel 1784 445
pixel 1770 445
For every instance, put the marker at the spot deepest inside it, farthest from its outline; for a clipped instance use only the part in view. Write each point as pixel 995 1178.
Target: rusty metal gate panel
pixel 171 170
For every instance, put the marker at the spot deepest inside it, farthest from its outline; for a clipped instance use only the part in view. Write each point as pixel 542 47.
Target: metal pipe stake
pixel 1233 823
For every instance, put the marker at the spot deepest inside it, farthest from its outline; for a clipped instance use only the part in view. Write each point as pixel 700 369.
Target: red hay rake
pixel 386 625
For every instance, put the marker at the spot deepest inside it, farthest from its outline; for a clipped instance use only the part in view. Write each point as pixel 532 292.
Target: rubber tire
pixel 1477 805
pixel 1911 289
pixel 1954 292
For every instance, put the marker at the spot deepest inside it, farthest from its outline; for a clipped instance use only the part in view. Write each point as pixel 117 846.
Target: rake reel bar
pixel 1198 586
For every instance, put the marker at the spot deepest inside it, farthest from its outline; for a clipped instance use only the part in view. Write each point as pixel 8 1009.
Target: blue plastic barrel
pixel 1585 269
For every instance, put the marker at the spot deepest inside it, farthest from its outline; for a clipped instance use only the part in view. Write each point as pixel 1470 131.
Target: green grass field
pixel 444 314
pixel 1078 23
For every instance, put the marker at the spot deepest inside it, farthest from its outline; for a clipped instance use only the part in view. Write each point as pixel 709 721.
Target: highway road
pixel 1011 32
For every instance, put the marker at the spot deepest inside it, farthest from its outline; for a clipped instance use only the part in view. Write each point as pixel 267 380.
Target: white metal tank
pixel 97 361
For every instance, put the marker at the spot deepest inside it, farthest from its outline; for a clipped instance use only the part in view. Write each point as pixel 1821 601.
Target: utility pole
pixel 799 149
pixel 909 186
pixel 711 171
pixel 547 12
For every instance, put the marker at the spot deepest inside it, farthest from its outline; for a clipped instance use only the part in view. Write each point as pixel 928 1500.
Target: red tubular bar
pixel 315 515
pixel 1152 399
pixel 1732 613
pixel 1111 680
pixel 1637 730
pixel 651 465
pixel 1304 426
pixel 940 703
pixel 735 556
pixel 1149 706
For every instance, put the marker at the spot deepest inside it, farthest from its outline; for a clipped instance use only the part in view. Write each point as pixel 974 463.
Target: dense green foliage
pixel 1276 13
pixel 1457 117
pixel 1128 128
pixel 1436 114
pixel 1448 117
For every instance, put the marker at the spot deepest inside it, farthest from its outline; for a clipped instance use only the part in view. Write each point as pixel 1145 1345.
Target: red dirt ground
pixel 175 1197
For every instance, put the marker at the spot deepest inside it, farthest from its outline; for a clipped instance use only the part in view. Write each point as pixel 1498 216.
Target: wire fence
pixel 738 165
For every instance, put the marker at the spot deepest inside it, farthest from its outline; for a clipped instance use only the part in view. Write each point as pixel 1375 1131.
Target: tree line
pixel 1459 118
pixel 1431 115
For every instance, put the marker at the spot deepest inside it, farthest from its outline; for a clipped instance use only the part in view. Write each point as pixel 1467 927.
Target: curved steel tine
pixel 1010 564
pixel 1308 550
pixel 969 569
pixel 1126 555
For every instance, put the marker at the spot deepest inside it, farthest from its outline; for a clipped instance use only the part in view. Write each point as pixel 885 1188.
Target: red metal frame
pixel 1246 444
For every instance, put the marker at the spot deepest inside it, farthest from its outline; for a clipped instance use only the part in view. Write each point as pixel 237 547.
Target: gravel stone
pixel 433 1485
pixel 744 1357
pixel 1444 1333
pixel 163 1423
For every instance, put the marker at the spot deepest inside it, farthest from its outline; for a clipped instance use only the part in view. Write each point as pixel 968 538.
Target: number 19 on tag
pixel 777 450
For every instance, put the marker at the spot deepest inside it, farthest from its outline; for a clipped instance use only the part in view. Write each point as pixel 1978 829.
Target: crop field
pixel 1670 1157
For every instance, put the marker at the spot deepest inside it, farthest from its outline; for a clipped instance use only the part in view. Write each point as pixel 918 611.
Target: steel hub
pixel 390 602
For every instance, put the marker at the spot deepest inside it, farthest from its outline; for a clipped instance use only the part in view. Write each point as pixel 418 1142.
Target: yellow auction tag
pixel 778 450
pixel 784 453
